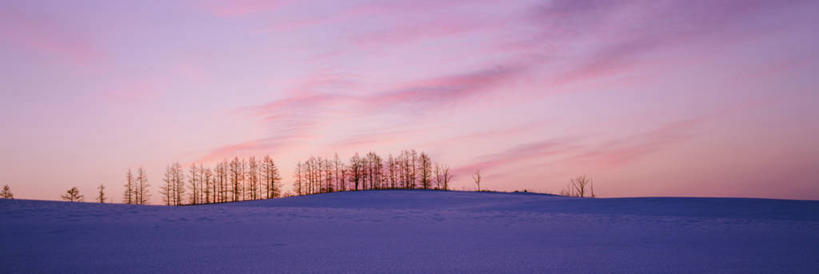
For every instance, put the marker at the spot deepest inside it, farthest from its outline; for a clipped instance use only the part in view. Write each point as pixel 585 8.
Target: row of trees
pixel 408 170
pixel 136 188
pixel 252 179
pixel 229 181
pixel 581 186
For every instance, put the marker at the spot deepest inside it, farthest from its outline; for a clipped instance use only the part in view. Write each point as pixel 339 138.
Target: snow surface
pixel 415 231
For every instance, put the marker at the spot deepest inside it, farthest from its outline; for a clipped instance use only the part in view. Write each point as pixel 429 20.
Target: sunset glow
pixel 648 98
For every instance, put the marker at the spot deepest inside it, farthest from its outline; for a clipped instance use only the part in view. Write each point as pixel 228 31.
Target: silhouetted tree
pixel 392 170
pixel 178 184
pixel 128 196
pixel 426 170
pixel 253 178
pixel 320 175
pixel 6 193
pixel 72 195
pixel 193 184
pixel 101 194
pixel 208 185
pixel 141 193
pixel 356 169
pixel 222 181
pixel 299 184
pixel 476 177
pixel 338 168
pixel 579 187
pixel 448 176
pixel 328 175
pixel 271 178
pixel 166 190
pixel 375 168
pixel 236 177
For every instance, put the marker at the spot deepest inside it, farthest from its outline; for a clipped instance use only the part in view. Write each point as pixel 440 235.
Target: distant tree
pixel 253 178
pixel 337 167
pixel 392 170
pixel 128 196
pixel 221 181
pixel 447 176
pixel 208 184
pixel 356 169
pixel 580 186
pixel 328 175
pixel 178 183
pixel 414 167
pixel 298 182
pixel 271 178
pixel 173 185
pixel 142 193
pixel 101 194
pixel 73 195
pixel 193 184
pixel 202 185
pixel 6 193
pixel 236 175
pixel 439 176
pixel 476 177
pixel 167 188
pixel 426 171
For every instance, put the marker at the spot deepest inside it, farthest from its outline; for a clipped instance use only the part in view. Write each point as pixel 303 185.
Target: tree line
pixel 242 179
pixel 238 179
pixel 407 170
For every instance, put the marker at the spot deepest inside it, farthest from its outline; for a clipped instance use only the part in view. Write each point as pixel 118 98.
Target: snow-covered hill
pixel 415 231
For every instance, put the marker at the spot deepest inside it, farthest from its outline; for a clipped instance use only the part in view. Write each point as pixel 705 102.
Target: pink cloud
pixel 131 93
pixel 408 33
pixel 48 38
pixel 521 153
pixel 616 153
pixel 242 7
pixel 574 151
pixel 423 94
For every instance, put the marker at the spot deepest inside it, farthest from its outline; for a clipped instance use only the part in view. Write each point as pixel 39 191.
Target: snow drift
pixel 415 231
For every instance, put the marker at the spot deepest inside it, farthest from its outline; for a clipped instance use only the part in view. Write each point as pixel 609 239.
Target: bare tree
pixel 476 177
pixel 253 178
pixel 298 182
pixel 221 181
pixel 173 187
pixel 128 196
pixel 426 170
pixel 413 168
pixel 392 170
pixel 167 187
pixel 101 194
pixel 442 176
pixel 328 175
pixel 579 187
pixel 72 195
pixel 271 178
pixel 337 166
pixel 178 183
pixel 236 177
pixel 356 169
pixel 208 184
pixel 6 193
pixel 193 183
pixel 447 176
pixel 142 195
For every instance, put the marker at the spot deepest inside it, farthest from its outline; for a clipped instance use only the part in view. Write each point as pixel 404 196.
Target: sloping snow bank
pixel 415 231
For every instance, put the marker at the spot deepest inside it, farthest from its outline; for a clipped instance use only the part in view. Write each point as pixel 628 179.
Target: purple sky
pixel 659 98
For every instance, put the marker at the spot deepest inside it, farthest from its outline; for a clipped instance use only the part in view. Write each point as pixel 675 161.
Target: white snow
pixel 415 231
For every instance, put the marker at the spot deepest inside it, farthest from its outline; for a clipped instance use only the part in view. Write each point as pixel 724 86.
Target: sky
pixel 648 98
